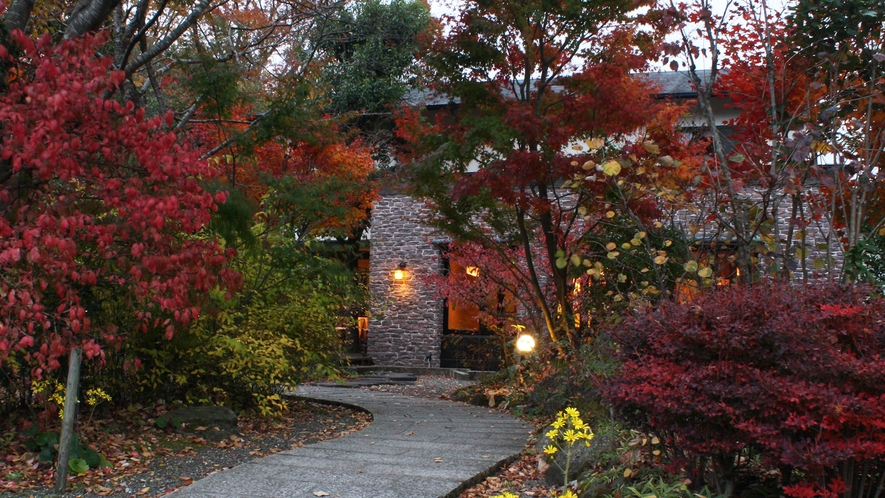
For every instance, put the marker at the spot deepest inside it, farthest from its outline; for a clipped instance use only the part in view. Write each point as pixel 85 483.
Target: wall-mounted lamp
pixel 473 271
pixel 400 272
pixel 525 344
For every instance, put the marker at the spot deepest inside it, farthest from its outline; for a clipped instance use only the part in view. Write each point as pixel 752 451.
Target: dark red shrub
pixel 796 374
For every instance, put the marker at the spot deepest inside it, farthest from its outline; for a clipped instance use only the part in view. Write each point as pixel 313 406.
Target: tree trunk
pixel 18 14
pixel 88 16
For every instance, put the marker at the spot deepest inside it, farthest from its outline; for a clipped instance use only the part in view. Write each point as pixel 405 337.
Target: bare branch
pixel 156 49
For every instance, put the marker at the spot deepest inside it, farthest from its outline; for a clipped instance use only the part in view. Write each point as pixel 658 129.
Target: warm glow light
pixel 473 271
pixel 525 343
pixel 400 272
pixel 738 270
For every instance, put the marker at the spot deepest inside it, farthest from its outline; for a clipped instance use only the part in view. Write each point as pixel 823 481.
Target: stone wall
pixel 407 318
pixel 818 245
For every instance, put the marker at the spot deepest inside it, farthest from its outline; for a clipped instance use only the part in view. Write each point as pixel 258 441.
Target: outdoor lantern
pixel 473 271
pixel 400 272
pixel 525 343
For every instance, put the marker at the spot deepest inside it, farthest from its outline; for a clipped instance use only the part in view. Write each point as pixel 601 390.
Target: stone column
pixel 406 320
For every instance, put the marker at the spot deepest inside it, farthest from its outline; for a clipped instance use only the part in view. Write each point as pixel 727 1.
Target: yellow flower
pixel 559 423
pixel 578 424
pixel 38 386
pixel 507 495
pixel 94 396
pixel 550 449
pixel 571 436
pixel 552 433
pixel 572 412
pixel 568 494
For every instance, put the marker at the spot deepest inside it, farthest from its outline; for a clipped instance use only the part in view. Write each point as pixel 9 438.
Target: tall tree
pixel 371 51
pixel 369 65
pixel 544 93
pixel 844 44
pixel 756 181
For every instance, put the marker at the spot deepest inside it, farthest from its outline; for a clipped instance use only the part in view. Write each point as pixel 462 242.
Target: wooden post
pixel 67 424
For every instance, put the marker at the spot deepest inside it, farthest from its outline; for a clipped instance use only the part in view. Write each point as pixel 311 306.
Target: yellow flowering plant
pixel 567 430
pixel 55 392
pixel 567 494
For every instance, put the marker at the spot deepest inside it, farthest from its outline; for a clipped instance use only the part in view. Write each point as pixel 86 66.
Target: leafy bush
pixel 795 375
pixel 252 346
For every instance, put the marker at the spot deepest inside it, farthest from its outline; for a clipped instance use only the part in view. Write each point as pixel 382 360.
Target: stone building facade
pixel 406 325
pixel 406 322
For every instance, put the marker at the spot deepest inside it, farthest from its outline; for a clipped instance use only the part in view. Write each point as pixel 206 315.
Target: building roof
pixel 676 83
pixel 673 84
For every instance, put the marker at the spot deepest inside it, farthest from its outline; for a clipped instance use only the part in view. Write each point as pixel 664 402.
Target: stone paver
pixel 414 448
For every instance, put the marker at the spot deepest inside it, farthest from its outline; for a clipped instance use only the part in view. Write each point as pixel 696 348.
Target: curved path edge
pixel 414 448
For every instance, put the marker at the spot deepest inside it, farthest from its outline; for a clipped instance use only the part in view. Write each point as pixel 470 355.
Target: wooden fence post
pixel 67 424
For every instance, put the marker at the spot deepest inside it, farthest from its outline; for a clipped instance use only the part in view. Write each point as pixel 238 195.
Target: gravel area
pixel 307 423
pixel 426 386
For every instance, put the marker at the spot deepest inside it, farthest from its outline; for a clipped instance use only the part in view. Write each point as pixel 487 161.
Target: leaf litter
pixel 148 461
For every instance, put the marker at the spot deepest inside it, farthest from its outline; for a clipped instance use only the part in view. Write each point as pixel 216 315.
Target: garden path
pixel 414 448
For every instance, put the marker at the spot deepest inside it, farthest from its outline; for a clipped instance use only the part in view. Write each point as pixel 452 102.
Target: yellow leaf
pixel 651 148
pixel 705 272
pixel 611 168
pixel 613 254
pixel 595 143
pixel 588 165
pixel 626 245
pixel 660 260
pixel 609 214
pixel 628 472
pixel 691 266
pixel 611 246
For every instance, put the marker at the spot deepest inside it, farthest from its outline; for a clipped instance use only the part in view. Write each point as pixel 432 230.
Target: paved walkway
pixel 414 448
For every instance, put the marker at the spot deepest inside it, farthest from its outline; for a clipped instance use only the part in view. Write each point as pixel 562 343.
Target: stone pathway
pixel 414 448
